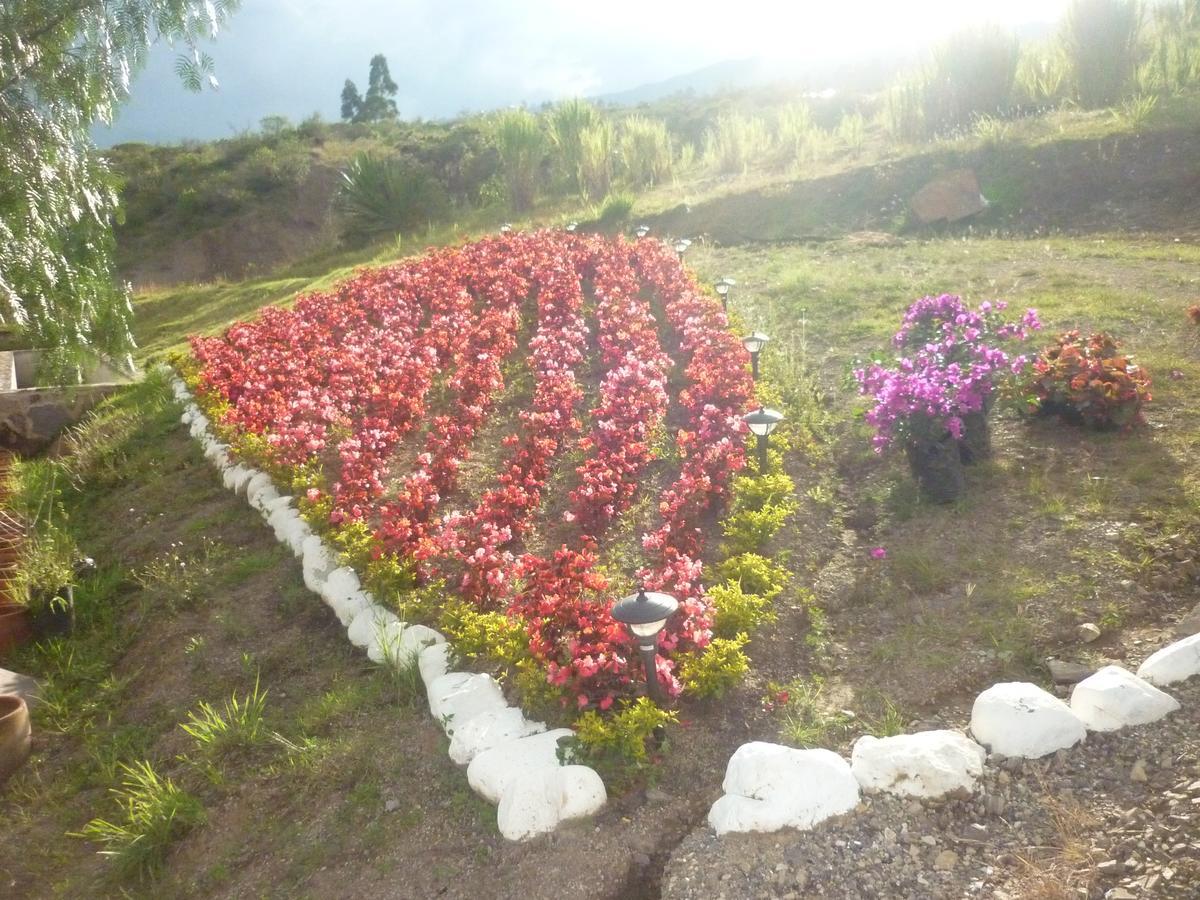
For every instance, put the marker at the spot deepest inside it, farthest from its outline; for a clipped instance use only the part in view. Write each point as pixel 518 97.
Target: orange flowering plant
pixel 1089 382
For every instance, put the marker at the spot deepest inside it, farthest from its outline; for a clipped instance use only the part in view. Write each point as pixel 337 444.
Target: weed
pixel 176 579
pixel 156 812
pixel 239 727
pixel 805 718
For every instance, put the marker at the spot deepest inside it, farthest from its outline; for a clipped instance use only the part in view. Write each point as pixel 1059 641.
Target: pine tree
pixel 64 65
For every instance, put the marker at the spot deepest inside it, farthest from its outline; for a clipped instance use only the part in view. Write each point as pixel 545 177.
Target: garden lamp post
pixel 506 228
pixel 641 231
pixel 722 288
pixel 644 614
pixel 571 226
pixel 762 422
pixel 754 344
pixel 681 247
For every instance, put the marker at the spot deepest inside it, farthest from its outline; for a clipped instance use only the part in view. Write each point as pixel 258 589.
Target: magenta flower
pixel 879 553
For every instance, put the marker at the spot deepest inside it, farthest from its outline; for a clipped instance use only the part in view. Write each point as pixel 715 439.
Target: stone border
pixel 511 761
pixel 770 786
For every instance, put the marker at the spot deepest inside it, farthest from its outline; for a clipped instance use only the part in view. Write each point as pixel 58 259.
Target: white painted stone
pixel 290 528
pixel 1016 718
pixel 317 562
pixel 434 662
pixel 769 786
pixel 260 489
pixel 382 647
pixel 413 642
pixel 343 594
pixel 442 685
pixel 489 729
pixel 459 704
pixel 490 773
pixel 1175 662
pixel 1115 698
pixel 927 764
pixel 235 478
pixel 185 417
pixel 367 623
pixel 199 426
pixel 267 507
pixel 537 801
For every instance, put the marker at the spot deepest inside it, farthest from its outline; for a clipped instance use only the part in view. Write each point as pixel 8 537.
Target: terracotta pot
pixel 14 734
pixel 14 626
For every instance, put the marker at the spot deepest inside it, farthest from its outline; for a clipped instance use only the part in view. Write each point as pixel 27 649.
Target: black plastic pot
pixel 937 466
pixel 976 443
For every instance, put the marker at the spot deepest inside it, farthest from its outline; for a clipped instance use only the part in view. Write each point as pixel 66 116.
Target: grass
pixel 239 727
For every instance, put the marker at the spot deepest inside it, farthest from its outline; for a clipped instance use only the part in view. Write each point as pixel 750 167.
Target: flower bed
pixel 336 397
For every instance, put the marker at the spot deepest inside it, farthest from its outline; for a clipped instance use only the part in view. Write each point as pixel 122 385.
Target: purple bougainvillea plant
pixel 949 365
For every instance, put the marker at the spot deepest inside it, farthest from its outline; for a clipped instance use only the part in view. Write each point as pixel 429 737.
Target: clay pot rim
pixel 15 702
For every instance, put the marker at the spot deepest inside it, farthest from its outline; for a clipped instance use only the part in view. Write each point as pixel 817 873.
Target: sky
pixel 291 57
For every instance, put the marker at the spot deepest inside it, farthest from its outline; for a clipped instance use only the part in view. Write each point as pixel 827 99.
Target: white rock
pixel 382 646
pixel 413 642
pixel 235 478
pixel 1114 698
pixel 1172 663
pixel 926 764
pixel 490 773
pixel 368 623
pixel 489 729
pixel 260 489
pixel 1020 719
pixel 454 704
pixel 185 417
pixel 537 801
pixel 290 528
pixel 268 506
pixel 434 662
pixel 317 562
pixel 769 786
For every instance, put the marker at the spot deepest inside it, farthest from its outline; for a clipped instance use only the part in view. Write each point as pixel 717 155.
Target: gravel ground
pixel 1117 817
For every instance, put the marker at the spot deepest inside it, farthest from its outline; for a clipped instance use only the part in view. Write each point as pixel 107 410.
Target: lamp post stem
pixel 762 454
pixel 754 366
pixel 653 688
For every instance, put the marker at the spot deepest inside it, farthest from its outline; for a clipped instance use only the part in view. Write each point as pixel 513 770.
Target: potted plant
pixel 935 399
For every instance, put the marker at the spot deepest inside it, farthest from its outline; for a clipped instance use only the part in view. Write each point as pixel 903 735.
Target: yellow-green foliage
pixel 619 739
pixel 646 151
pixel 736 142
pixel 720 666
pixel 755 574
pixel 492 634
pixel 737 611
pixel 761 504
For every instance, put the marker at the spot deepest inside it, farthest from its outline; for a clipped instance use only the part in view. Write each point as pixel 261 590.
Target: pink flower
pixel 879 553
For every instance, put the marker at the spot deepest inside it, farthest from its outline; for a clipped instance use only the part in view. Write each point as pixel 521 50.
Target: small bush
pixel 1089 382
pixel 596 160
pixel 156 813
pixel 755 574
pixel 737 611
pixel 485 634
pixel 616 211
pixel 717 668
pixel 616 745
pixel 386 196
pixel 522 146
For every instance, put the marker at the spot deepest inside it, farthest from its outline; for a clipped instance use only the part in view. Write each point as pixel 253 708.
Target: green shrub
pixel 155 813
pixel 852 132
pixel 569 122
pixel 616 211
pixel 1043 76
pixel 286 164
pixel 716 668
pixel 754 493
pixel 616 745
pixel 737 611
pixel 903 114
pixel 755 574
pixel 476 634
pixel 971 75
pixel 596 160
pixel 387 196
pixel 750 529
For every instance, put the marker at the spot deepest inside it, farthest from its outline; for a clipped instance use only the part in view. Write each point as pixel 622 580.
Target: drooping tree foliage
pixel 65 65
pixel 379 103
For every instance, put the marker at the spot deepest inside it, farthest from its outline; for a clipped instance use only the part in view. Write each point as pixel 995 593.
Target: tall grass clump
pixel 596 160
pixel 522 147
pixel 388 196
pixel 1043 76
pixel 852 133
pixel 1173 61
pixel 903 113
pixel 735 142
pixel 569 121
pixel 793 124
pixel 646 151
pixel 155 812
pixel 970 75
pixel 239 727
pixel 1101 41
